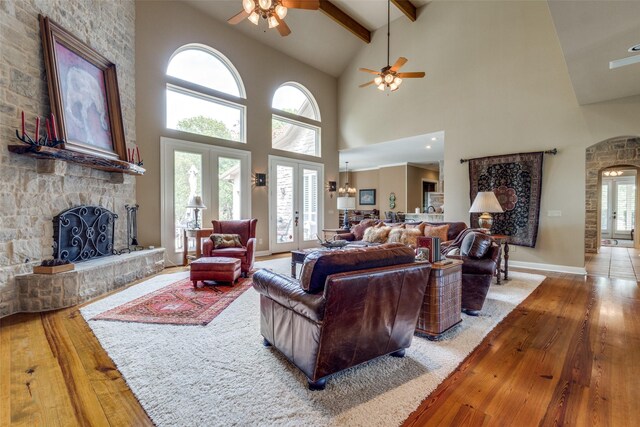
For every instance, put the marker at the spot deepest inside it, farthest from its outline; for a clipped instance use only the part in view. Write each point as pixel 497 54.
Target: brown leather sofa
pixel 356 232
pixel 246 229
pixel 350 306
pixel 480 255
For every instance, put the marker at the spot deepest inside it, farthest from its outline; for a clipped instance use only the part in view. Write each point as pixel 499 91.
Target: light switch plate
pixel 554 213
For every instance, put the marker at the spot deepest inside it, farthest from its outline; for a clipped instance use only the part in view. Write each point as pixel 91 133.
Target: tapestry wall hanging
pixel 516 180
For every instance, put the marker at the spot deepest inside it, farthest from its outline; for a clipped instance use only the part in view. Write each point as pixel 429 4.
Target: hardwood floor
pixel 569 355
pixel 615 262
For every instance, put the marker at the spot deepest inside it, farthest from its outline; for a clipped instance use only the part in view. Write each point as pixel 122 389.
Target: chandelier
pixel 266 9
pixel 347 190
pixel 612 173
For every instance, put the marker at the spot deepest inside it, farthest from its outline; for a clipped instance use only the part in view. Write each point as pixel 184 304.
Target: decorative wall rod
pixel 552 152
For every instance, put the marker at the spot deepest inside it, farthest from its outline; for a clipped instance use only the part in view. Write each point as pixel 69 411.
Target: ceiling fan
pixel 273 11
pixel 389 77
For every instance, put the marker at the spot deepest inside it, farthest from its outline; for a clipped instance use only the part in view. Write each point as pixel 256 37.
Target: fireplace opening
pixel 83 233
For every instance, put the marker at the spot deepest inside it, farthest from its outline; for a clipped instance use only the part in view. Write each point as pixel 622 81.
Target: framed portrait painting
pixel 83 92
pixel 367 197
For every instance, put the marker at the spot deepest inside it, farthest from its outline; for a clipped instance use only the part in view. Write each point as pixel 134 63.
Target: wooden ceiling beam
pixel 335 13
pixel 407 8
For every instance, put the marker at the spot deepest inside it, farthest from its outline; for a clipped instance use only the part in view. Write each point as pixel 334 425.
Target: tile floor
pixel 615 262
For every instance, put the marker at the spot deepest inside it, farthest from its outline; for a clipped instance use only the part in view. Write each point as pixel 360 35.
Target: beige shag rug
pixel 221 375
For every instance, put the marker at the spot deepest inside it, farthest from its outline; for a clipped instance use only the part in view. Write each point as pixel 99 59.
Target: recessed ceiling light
pixel 635 48
pixel 434 138
pixel 428 147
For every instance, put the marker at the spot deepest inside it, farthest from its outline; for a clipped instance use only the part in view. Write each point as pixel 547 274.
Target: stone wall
pixel 623 151
pixel 28 199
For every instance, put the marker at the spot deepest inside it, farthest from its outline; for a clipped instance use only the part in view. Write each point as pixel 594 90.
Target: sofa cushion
pixel 475 245
pixel 359 229
pixel 376 234
pixel 221 241
pixel 320 264
pixel 230 252
pixel 440 231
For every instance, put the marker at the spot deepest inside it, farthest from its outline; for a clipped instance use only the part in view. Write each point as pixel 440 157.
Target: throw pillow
pixel 437 231
pixel 475 245
pixel 420 226
pixel 395 235
pixel 221 241
pixel 359 229
pixel 376 234
pixel 410 237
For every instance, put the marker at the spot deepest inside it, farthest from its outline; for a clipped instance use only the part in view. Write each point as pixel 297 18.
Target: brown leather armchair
pixel 350 306
pixel 246 229
pixel 480 255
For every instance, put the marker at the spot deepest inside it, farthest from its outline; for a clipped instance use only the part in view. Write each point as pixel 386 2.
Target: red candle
pixel 138 153
pixel 37 128
pixel 46 124
pixel 23 123
pixel 54 131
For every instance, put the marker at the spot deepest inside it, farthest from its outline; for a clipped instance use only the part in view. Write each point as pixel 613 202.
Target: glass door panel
pixel 625 205
pixel 286 218
pixel 229 188
pixel 187 184
pixel 605 226
pixel 310 205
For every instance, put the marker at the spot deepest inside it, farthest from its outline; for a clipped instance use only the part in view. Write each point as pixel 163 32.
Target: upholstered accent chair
pixel 350 306
pixel 246 229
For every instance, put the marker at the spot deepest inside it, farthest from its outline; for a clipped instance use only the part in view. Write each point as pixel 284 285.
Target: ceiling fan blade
pixel 236 19
pixel 412 75
pixel 367 84
pixel 302 4
pixel 283 28
pixel 366 70
pixel 399 63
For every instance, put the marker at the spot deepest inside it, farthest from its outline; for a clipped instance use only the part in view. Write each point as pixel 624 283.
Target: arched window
pixel 205 94
pixel 295 124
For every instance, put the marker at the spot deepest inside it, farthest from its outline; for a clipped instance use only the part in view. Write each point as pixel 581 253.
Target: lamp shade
pixel 486 201
pixel 196 203
pixel 346 202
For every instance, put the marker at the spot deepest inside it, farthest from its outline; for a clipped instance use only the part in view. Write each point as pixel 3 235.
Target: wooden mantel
pixel 94 162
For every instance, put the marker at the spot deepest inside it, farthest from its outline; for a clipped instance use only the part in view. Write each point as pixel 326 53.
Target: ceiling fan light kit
pixel 272 11
pixel 388 77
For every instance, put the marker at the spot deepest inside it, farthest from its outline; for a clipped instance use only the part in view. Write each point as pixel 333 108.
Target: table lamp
pixel 346 203
pixel 486 203
pixel 196 204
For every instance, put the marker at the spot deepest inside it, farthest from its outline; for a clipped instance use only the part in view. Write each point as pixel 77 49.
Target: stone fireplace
pixel 83 233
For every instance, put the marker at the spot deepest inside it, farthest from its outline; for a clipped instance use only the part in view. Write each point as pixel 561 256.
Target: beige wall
pixel 496 83
pixel 163 27
pixel 415 176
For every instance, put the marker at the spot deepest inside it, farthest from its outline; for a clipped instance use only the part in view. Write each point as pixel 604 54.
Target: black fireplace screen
pixel 83 233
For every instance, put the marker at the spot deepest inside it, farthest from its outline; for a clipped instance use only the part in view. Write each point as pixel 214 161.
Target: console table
pixel 442 304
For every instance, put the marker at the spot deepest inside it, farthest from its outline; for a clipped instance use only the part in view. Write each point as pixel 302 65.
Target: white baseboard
pixel 263 253
pixel 548 267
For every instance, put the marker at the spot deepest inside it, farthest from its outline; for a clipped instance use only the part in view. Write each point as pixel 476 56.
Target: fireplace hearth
pixel 83 233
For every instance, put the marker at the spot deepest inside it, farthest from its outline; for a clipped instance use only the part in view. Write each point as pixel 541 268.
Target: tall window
pixel 205 94
pixel 295 124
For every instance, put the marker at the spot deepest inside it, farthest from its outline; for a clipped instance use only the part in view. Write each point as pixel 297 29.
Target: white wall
pixel 496 83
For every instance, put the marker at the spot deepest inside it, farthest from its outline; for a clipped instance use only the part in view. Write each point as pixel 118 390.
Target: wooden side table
pixel 193 233
pixel 442 303
pixel 502 239
pixel 332 232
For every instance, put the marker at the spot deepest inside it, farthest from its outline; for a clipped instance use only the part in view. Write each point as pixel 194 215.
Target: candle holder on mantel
pixel 44 141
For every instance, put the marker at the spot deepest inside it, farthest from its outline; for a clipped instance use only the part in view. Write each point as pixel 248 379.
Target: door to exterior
pixel 221 176
pixel 295 204
pixel 618 207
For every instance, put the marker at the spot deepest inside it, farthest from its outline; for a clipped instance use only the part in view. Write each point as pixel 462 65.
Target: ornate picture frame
pixel 83 93
pixel 367 197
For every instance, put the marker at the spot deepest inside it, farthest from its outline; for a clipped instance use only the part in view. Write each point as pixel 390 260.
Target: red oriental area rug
pixel 178 304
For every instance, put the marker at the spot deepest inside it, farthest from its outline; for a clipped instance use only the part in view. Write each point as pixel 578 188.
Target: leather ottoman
pixel 220 269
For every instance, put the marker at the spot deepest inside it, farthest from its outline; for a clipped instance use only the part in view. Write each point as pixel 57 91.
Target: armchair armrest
pixel 207 247
pixel 288 293
pixel 251 251
pixel 476 266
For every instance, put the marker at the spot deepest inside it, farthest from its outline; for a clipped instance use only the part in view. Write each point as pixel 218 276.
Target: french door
pixel 618 207
pixel 219 175
pixel 295 203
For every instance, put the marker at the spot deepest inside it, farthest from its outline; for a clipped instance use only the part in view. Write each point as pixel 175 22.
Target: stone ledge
pixel 90 279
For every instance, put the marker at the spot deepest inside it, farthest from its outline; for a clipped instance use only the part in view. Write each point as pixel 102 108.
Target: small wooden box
pixel 41 269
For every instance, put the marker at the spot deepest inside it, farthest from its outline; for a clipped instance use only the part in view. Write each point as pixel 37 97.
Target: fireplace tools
pixel 132 229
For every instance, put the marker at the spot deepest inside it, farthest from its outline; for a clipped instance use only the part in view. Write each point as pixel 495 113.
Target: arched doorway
pixel 620 152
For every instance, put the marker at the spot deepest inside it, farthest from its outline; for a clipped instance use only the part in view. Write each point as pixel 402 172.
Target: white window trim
pixel 309 95
pixel 167 147
pixel 215 100
pixel 315 128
